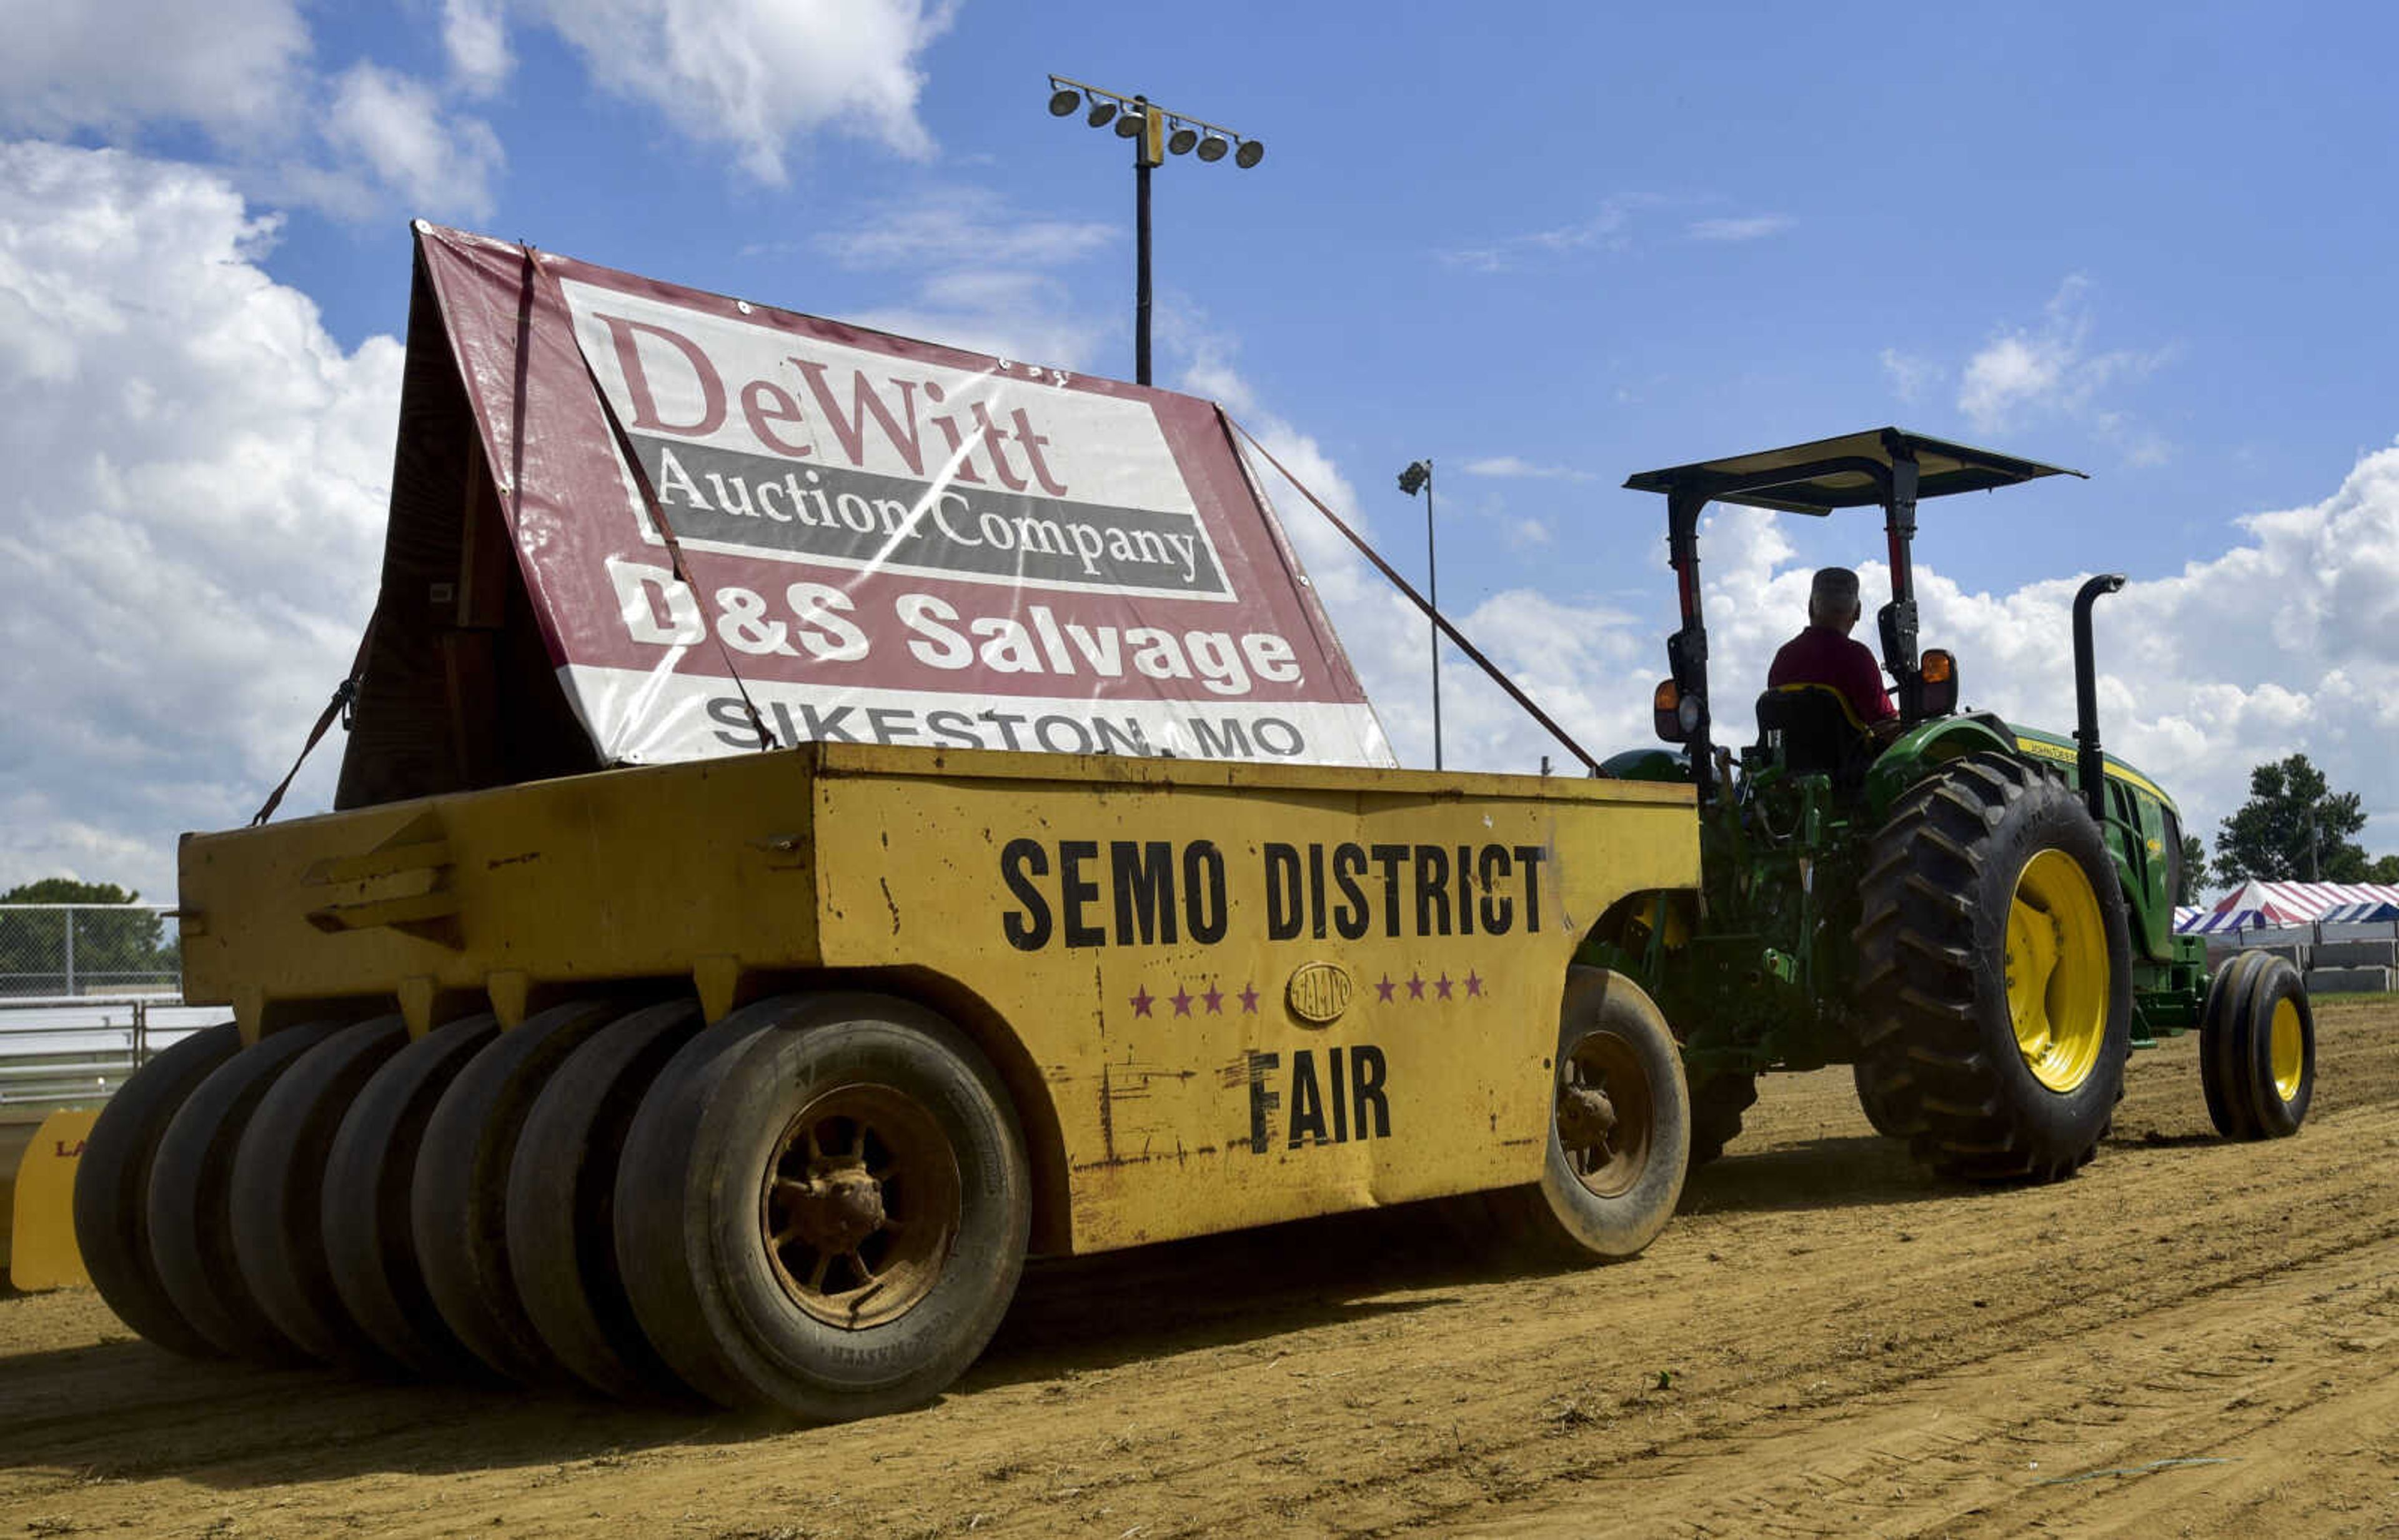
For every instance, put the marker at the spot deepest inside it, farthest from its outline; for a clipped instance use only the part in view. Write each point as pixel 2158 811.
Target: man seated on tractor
pixel 1823 654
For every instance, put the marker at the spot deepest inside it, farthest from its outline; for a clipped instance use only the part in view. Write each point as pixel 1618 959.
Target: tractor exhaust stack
pixel 2091 766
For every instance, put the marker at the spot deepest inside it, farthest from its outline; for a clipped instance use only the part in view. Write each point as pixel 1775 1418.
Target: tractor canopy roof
pixel 1848 472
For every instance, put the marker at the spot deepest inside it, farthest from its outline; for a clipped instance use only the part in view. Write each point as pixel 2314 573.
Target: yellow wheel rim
pixel 2290 1049
pixel 2057 971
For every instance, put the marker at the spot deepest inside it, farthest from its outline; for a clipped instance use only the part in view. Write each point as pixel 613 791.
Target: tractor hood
pixel 2059 750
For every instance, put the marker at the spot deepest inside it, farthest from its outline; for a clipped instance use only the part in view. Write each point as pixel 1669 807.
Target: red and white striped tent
pixel 2265 905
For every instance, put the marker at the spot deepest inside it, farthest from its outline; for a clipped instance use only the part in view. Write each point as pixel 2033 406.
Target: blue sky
pixel 1545 245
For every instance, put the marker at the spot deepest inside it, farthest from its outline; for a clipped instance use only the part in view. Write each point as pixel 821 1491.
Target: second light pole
pixel 1418 477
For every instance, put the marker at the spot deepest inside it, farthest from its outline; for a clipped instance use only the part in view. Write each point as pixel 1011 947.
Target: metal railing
pixel 66 1051
pixel 88 993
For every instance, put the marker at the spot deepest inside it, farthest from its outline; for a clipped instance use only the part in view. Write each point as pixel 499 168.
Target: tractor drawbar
pixel 2091 766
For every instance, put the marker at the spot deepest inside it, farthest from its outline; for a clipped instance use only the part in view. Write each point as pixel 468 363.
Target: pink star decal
pixel 1182 998
pixel 1383 990
pixel 1441 984
pixel 1215 999
pixel 1249 1001
pixel 1473 982
pixel 1142 1001
pixel 1415 986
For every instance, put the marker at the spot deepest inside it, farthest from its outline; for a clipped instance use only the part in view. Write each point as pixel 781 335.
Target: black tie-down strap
pixel 346 695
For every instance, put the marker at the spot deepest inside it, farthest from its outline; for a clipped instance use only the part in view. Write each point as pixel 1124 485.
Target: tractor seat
pixel 1811 729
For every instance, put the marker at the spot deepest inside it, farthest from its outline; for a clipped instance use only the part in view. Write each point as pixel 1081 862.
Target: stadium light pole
pixel 1419 477
pixel 1156 133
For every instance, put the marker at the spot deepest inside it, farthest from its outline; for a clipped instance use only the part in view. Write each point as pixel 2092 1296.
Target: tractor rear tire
pixel 1619 1137
pixel 2257 1048
pixel 1994 966
pixel 111 1187
pixel 191 1198
pixel 279 1181
pixel 1888 1105
pixel 369 1247
pixel 826 1211
pixel 562 1203
pixel 458 1196
pixel 1717 1102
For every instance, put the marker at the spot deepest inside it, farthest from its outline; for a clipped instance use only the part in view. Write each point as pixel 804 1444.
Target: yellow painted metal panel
pixel 41 1252
pixel 1246 992
pixel 631 873
pixel 1144 941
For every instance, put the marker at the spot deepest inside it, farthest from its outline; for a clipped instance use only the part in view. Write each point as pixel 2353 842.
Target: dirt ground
pixel 2190 1337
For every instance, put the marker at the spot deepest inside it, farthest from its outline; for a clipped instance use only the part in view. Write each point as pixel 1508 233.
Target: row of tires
pixel 819 1205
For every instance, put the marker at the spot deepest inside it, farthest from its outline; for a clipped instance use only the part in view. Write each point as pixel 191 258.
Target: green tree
pixel 2194 870
pixel 2385 868
pixel 2294 827
pixel 112 951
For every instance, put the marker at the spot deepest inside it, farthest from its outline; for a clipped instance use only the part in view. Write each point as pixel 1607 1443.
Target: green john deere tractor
pixel 1977 916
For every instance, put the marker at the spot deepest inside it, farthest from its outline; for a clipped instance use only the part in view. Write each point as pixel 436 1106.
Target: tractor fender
pixel 1914 753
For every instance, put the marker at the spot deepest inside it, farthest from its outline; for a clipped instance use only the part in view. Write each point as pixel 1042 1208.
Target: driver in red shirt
pixel 1823 654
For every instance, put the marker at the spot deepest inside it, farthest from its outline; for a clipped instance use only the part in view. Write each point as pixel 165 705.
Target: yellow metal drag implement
pixel 587 1043
pixel 762 1075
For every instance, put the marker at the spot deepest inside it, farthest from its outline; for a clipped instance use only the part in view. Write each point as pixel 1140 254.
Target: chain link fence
pixel 61 951
pixel 88 992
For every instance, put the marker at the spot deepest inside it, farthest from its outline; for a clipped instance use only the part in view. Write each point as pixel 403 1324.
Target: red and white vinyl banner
pixel 892 541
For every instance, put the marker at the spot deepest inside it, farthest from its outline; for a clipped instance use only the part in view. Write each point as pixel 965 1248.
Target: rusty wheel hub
pixel 836 1211
pixel 1604 1113
pixel 1585 1117
pixel 860 1206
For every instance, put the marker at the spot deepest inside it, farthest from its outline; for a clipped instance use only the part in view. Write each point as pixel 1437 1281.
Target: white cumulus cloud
pixel 963 226
pixel 195 520
pixel 2050 368
pixel 1514 466
pixel 2276 645
pixel 474 33
pixel 407 140
pixel 758 74
pixel 231 66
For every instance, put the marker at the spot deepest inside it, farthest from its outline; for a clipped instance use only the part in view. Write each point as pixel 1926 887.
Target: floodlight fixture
pixel 1148 125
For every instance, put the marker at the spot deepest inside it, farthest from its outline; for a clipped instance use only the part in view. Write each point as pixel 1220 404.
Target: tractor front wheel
pixel 1717 1102
pixel 2257 1048
pixel 1994 966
